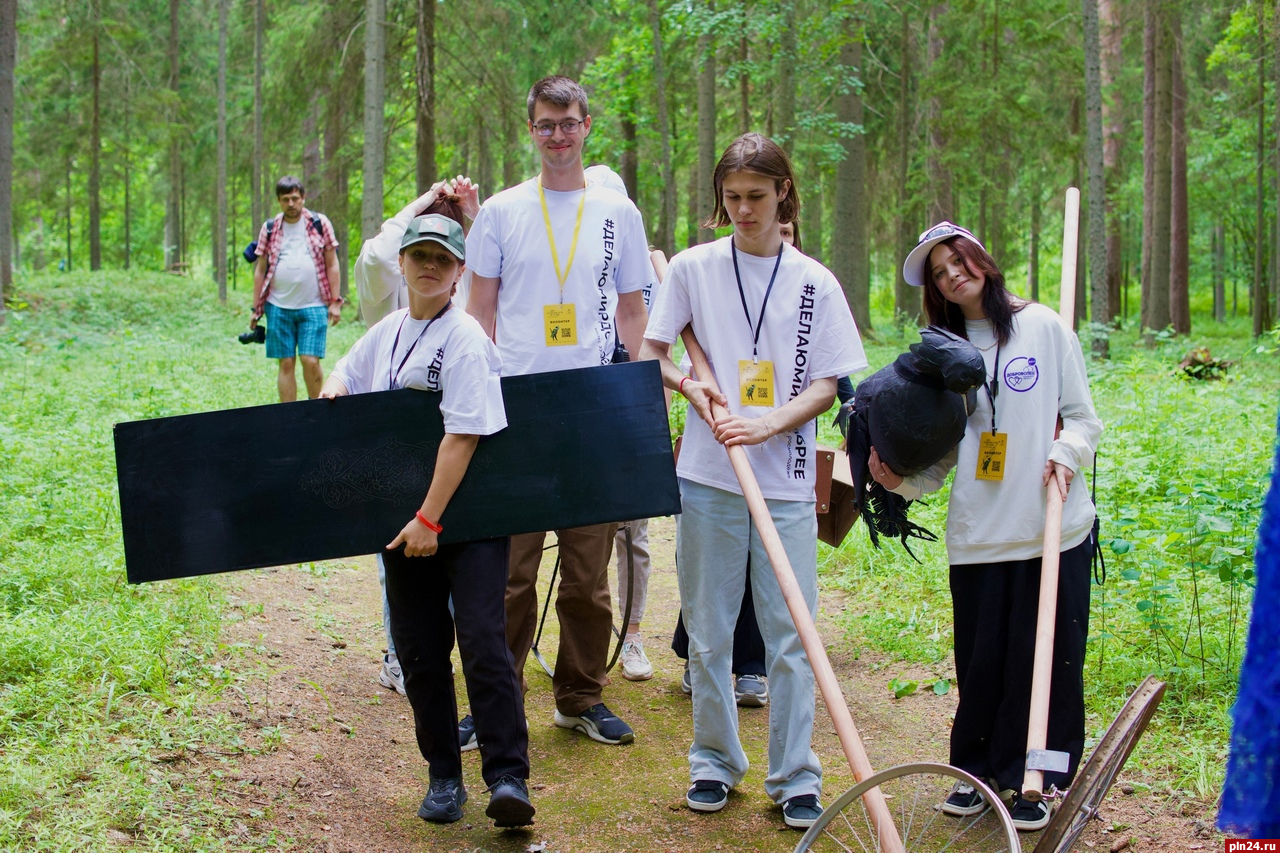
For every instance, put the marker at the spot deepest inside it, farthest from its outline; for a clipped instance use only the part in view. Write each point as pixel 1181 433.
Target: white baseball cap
pixel 913 268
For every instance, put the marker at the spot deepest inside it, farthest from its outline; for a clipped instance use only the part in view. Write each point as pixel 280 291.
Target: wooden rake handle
pixel 813 647
pixel 1046 615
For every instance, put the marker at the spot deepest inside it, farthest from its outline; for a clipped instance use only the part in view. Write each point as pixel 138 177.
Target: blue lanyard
pixel 755 338
pixel 393 378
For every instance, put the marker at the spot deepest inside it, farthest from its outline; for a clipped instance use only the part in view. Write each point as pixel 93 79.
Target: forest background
pixel 149 135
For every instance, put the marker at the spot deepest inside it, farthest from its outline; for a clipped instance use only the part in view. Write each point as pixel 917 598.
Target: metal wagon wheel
pixel 1100 771
pixel 914 793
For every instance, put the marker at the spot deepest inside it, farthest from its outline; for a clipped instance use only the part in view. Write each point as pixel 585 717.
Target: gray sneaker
pixel 686 686
pixel 391 676
pixel 751 691
pixel 635 664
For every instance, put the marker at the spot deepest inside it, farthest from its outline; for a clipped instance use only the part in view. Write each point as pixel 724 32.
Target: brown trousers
pixel 582 607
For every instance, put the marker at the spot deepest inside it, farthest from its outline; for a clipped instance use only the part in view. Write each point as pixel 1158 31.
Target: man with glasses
pixel 556 262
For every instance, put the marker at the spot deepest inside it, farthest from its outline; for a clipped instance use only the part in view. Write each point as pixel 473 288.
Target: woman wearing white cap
pixel 432 348
pixel 1034 424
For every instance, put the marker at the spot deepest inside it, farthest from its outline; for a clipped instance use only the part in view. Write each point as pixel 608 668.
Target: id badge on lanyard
pixel 560 325
pixel 755 382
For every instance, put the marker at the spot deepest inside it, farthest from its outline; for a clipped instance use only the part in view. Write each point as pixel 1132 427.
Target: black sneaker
pixel 801 812
pixel 443 802
pixel 509 803
pixel 467 734
pixel 1028 816
pixel 707 795
pixel 598 723
pixel 964 800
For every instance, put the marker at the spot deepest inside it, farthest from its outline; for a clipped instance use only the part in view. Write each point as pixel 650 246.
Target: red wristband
pixel 682 381
pixel 430 525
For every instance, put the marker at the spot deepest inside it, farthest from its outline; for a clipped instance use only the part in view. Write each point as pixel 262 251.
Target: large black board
pixel 323 479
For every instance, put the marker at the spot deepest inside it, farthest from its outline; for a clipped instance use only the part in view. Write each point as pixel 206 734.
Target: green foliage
pixel 101 683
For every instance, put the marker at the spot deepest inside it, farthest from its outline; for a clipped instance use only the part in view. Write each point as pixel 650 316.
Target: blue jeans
pixel 714 536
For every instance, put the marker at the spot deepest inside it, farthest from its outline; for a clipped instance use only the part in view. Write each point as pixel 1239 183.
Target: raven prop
pixel 913 412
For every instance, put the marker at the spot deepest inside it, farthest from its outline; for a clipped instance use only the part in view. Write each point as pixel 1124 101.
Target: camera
pixel 256 335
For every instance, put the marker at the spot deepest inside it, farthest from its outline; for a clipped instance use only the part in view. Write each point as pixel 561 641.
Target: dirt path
pixel 339 769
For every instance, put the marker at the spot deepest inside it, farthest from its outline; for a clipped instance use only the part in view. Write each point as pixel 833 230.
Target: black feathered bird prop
pixel 913 412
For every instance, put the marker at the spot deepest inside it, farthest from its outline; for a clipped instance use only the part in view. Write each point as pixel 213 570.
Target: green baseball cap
pixel 434 228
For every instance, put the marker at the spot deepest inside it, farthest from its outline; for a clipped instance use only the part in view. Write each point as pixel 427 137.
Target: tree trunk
pixel 375 49
pixel 516 144
pixel 906 299
pixel 1112 136
pixel 784 83
pixel 95 149
pixel 220 218
pixel 692 219
pixel 630 157
pixel 1033 253
pixel 311 181
pixel 1097 180
pixel 940 204
pixel 1179 261
pixel 704 192
pixel 1155 304
pixel 1261 302
pixel 485 171
pixel 744 78
pixel 1219 288
pixel 1145 266
pixel 128 146
pixel 258 190
pixel 667 218
pixel 335 175
pixel 172 218
pixel 8 58
pixel 1275 251
pixel 425 74
pixel 851 173
pixel 67 268
pixel 813 227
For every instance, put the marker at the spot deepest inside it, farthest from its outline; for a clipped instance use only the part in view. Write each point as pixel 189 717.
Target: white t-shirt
pixel 807 333
pixel 453 356
pixel 509 241
pixel 295 283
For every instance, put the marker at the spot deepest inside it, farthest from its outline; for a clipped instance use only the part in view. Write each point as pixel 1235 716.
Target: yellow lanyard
pixel 551 237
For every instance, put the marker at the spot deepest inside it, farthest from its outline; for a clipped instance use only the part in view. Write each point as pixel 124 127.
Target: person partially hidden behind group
pixel 794 323
pixel 402 351
pixel 1033 429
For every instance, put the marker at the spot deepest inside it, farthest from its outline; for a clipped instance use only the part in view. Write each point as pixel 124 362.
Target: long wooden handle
pixel 813 647
pixel 1047 612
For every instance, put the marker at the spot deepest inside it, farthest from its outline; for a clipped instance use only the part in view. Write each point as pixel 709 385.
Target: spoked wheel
pixel 914 793
pixel 1095 779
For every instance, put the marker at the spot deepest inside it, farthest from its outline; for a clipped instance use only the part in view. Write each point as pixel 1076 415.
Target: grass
pixel 102 684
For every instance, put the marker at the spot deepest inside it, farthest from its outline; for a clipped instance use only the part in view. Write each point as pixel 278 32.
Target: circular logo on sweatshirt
pixel 1021 374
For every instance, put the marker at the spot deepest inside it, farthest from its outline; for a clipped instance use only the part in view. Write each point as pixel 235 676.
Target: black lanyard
pixel 392 378
pixel 993 389
pixel 755 339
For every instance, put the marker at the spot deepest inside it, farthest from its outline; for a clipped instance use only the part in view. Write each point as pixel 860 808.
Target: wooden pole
pixel 813 647
pixel 1042 670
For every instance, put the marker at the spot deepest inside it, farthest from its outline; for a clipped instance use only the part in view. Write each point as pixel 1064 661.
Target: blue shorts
pixel 296 330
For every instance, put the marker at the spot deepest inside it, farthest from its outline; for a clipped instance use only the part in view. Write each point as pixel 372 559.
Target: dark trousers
pixel 995 606
pixel 418 590
pixel 748 645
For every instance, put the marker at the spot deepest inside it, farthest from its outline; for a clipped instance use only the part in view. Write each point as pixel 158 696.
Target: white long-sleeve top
pixel 1042 376
pixel 381 287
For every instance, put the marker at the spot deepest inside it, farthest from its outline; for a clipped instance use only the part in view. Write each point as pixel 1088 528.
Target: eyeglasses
pixel 568 127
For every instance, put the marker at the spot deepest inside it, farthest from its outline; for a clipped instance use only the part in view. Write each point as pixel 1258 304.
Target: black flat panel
pixel 323 479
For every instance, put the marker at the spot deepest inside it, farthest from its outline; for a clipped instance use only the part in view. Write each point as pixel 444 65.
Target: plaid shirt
pixel 319 238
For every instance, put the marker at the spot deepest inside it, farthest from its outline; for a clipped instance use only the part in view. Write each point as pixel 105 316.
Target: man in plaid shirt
pixel 295 283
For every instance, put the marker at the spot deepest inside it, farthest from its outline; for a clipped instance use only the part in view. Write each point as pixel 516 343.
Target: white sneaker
pixel 635 665
pixel 391 677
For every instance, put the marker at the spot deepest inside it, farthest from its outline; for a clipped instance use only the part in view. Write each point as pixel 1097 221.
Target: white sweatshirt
pixel 1041 377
